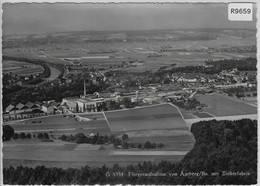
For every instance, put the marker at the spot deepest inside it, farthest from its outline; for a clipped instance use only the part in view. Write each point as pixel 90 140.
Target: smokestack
pixel 84 88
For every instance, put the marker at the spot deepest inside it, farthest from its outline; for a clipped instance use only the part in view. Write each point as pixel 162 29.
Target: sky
pixel 36 18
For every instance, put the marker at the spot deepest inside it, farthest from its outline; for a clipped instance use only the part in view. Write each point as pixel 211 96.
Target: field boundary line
pixel 106 120
pixel 180 114
pixel 210 114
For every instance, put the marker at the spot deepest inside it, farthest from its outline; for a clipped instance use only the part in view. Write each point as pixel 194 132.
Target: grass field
pixel 221 105
pixel 173 140
pixel 163 116
pixel 252 100
pixel 60 125
pixel 202 115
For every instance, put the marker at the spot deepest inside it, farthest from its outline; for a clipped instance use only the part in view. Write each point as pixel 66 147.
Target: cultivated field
pixel 221 105
pixel 21 68
pixel 88 49
pixel 163 116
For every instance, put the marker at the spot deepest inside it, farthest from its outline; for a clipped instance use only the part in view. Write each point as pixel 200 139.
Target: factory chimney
pixel 85 89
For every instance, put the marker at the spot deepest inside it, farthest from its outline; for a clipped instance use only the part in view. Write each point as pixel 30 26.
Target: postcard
pixel 136 92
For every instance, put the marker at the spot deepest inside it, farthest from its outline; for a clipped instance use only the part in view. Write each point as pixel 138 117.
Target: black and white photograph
pixel 139 93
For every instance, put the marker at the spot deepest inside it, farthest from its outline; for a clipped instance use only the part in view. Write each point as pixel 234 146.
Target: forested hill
pixel 229 146
pixel 225 152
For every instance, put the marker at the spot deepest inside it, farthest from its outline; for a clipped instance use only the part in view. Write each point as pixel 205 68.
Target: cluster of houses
pixel 29 110
pixel 225 77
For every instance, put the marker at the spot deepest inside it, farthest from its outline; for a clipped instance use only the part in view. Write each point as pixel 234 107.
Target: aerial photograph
pixel 128 93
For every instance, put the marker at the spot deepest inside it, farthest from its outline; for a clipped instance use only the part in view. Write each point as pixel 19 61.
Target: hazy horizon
pixel 40 18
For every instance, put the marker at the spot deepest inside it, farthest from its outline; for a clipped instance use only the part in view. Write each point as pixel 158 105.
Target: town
pixel 127 90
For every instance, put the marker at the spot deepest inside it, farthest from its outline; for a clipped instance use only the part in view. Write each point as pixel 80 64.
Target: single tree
pixel 125 137
pixel 8 132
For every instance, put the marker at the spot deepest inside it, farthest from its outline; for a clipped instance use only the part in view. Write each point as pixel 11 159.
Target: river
pixel 54 74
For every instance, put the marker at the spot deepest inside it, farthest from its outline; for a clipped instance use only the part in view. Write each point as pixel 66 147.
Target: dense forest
pixel 247 64
pixel 225 152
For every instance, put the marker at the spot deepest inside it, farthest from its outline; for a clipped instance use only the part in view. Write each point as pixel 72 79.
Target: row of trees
pixel 82 138
pixel 22 135
pixel 100 139
pixel 8 133
pixel 241 91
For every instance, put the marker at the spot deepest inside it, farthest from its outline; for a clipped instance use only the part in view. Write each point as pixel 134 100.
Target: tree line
pixel 97 139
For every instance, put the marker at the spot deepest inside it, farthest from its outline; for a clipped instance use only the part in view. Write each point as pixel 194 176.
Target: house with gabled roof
pixel 38 103
pixel 48 108
pixel 31 106
pixel 11 109
pixel 21 108
pixel 55 104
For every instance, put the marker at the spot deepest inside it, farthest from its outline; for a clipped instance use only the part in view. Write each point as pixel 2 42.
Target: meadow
pixel 202 114
pixel 222 105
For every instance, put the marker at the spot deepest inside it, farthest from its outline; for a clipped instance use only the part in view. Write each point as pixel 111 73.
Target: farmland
pixel 65 154
pixel 21 68
pixel 202 115
pixel 159 123
pixel 149 118
pixel 60 125
pixel 95 49
pixel 221 105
